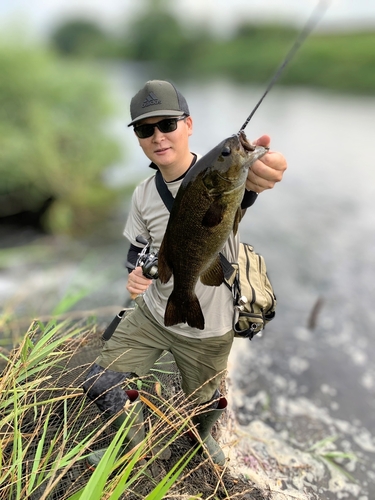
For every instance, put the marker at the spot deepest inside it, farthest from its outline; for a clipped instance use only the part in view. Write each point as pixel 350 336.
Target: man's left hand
pixel 265 172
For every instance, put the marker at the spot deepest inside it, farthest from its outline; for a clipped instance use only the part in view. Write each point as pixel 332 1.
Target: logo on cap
pixel 151 100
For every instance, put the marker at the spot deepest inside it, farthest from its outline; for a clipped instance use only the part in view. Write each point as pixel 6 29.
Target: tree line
pixel 251 54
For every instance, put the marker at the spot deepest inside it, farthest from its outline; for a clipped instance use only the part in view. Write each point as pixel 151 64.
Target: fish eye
pixel 226 151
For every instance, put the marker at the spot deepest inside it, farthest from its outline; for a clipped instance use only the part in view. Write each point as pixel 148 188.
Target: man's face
pixel 170 148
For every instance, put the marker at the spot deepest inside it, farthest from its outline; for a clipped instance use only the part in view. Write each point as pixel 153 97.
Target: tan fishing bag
pixel 253 295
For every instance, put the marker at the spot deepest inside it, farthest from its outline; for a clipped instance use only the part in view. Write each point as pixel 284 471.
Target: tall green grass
pixel 46 431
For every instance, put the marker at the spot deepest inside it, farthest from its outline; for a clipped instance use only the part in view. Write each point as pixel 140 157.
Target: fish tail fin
pixel 184 311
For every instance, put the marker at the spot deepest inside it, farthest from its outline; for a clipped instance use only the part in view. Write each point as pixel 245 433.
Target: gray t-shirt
pixel 149 217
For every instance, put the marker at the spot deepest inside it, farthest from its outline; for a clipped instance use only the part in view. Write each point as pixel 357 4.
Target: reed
pixel 47 427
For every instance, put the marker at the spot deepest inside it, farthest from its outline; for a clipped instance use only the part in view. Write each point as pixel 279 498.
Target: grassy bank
pixel 48 428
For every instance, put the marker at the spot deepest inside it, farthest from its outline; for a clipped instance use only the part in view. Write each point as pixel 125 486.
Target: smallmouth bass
pixel 206 209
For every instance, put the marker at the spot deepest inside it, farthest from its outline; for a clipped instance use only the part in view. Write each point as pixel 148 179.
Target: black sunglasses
pixel 165 126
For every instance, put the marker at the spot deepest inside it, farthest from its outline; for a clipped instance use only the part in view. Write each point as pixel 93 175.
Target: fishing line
pixel 313 20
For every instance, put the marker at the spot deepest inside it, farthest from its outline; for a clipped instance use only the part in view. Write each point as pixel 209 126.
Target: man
pixel 163 125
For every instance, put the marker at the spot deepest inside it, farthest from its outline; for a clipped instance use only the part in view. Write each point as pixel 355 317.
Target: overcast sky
pixel 39 16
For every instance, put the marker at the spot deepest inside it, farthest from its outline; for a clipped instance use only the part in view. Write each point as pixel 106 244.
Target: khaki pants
pixel 139 341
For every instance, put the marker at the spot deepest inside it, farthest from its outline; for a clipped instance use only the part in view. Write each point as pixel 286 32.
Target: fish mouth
pixel 245 143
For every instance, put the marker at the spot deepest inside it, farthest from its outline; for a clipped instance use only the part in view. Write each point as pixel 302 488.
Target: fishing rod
pixel 311 23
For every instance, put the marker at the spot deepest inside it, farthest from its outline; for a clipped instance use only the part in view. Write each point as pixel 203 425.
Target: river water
pixel 316 230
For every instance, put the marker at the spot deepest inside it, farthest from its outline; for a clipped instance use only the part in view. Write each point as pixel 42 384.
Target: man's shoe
pixel 204 423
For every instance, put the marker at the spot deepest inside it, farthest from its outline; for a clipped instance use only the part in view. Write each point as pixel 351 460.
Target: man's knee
pixel 104 387
pixel 212 403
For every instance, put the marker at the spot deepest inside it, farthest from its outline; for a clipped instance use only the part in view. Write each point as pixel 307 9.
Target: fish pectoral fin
pixel 184 311
pixel 214 275
pixel 214 214
pixel 164 270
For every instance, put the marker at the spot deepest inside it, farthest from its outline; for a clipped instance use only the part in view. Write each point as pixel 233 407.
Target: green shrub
pixel 53 142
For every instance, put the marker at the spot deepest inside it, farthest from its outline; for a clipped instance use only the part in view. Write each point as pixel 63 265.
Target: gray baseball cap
pixel 157 98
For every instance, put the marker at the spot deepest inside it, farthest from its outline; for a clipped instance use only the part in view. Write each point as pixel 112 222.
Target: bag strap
pixel 228 270
pixel 162 188
pixel 163 191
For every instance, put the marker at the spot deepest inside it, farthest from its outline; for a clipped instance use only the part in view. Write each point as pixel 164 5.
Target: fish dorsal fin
pixel 164 269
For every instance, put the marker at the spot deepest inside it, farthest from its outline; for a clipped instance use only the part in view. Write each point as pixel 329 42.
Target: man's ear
pixel 189 122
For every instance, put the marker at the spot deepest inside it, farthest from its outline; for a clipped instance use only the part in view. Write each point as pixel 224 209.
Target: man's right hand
pixel 137 283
